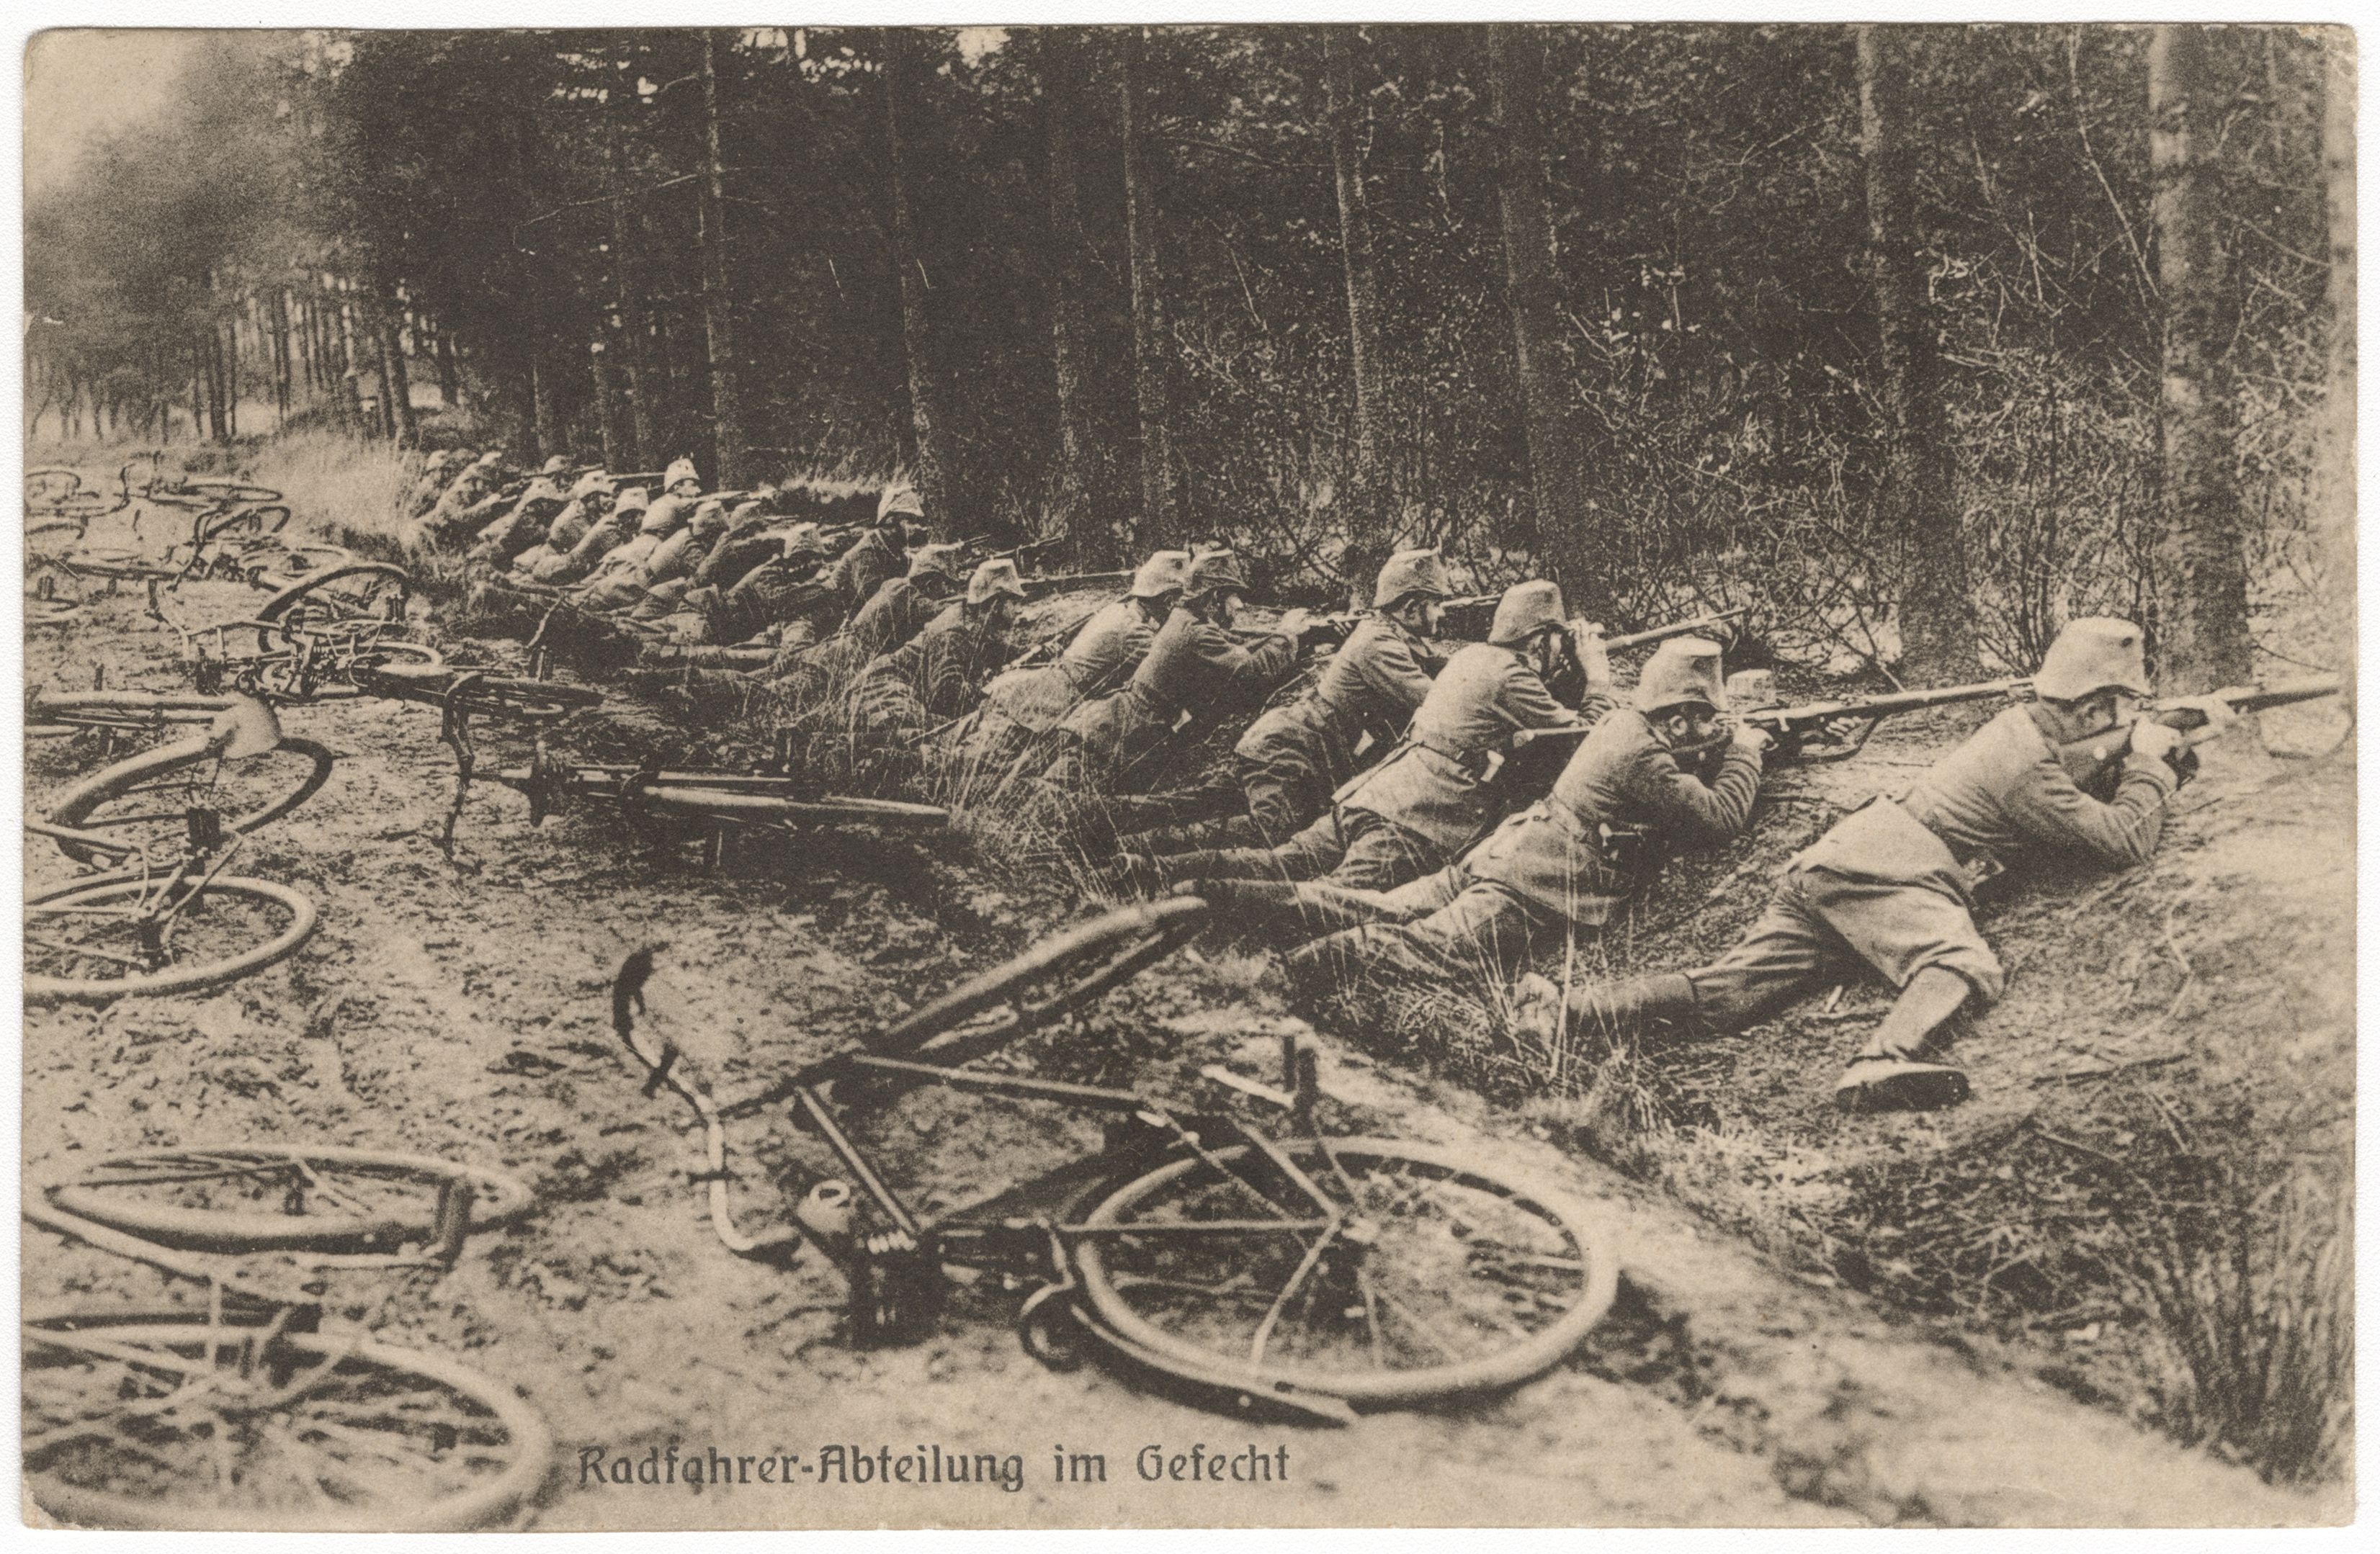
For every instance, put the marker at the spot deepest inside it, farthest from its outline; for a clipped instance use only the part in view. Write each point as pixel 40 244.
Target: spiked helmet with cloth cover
pixel 1215 571
pixel 2093 653
pixel 935 560
pixel 1525 610
pixel 1681 670
pixel 995 576
pixel 1408 573
pixel 1163 574
pixel 899 500
pixel 679 469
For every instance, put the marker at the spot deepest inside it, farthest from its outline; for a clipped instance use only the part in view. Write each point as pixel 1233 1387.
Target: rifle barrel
pixel 1674 629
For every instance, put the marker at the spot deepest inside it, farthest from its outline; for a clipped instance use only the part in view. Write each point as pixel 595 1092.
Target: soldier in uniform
pixel 1293 758
pixel 606 533
pixel 892 616
pixel 1892 884
pixel 591 499
pixel 451 517
pixel 935 675
pixel 1626 798
pixel 431 484
pixel 1432 797
pixel 517 527
pixel 1193 668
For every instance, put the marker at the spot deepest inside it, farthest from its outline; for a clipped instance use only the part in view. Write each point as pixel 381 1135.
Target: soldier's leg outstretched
pixel 1305 856
pixel 1380 854
pixel 1479 935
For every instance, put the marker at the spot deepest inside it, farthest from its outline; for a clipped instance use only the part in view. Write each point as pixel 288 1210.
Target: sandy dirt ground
pixel 458 1007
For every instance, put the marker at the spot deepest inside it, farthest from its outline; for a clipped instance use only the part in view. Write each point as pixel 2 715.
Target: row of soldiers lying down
pixel 1380 823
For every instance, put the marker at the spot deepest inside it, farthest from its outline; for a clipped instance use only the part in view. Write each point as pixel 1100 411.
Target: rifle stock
pixel 1794 728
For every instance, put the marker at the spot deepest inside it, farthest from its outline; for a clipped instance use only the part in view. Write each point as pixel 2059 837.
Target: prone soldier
pixel 1892 884
pixel 1631 793
pixel 934 675
pixel 1434 794
pixel 1293 758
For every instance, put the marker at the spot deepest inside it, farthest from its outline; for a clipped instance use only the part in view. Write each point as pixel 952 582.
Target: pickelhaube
pixel 1214 571
pixel 1163 574
pixel 2092 654
pixel 679 469
pixel 935 560
pixel 1525 610
pixel 995 576
pixel 1681 670
pixel 636 499
pixel 590 483
pixel 900 498
pixel 1411 571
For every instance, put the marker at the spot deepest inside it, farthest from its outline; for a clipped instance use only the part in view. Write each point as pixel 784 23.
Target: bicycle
pixel 241 770
pixel 284 663
pixel 1315 1276
pixel 254 1410
pixel 730 799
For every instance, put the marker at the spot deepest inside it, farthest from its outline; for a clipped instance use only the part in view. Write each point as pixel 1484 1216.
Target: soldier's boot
pixel 1602 1015
pixel 1216 864
pixel 1896 1070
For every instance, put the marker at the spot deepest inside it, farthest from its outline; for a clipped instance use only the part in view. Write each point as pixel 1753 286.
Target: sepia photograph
pixel 1461 774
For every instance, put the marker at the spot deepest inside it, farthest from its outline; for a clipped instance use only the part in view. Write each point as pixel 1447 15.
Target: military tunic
pixel 1564 863
pixel 603 536
pixel 894 614
pixel 1893 882
pixel 932 677
pixel 1293 758
pixel 512 532
pixel 1193 666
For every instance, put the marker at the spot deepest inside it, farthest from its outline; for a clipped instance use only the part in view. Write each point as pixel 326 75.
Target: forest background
pixel 1919 339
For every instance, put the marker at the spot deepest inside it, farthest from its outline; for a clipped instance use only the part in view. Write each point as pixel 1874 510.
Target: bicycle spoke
pixel 1305 1266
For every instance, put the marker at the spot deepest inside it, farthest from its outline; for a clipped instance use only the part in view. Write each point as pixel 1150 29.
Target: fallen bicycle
pixel 1308 1276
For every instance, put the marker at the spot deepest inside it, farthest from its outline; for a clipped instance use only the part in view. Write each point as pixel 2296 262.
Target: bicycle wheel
pixel 1439 1279
pixel 359 591
pixel 231 492
pixel 152 793
pixel 528 701
pixel 50 611
pixel 993 1009
pixel 239 524
pixel 285 566
pixel 311 1198
pixel 134 935
pixel 47 488
pixel 159 1419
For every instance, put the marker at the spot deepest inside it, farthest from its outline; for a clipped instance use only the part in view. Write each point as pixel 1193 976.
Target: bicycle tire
pixel 285 1174
pixel 39 611
pixel 292 564
pixel 248 521
pixel 482 1447
pixel 524 700
pixel 287 602
pixel 1085 961
pixel 1450 1253
pixel 56 482
pixel 229 491
pixel 90 899
pixel 153 771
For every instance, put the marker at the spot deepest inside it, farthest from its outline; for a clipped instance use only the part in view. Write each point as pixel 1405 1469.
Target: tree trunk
pixel 231 377
pixel 1515 63
pixel 634 336
pixel 2335 466
pixel 281 386
pixel 450 381
pixel 1148 311
pixel 1368 536
pixel 397 384
pixel 1917 503
pixel 2201 561
pixel 1073 501
pixel 545 425
pixel 726 404
pixel 902 112
pixel 607 409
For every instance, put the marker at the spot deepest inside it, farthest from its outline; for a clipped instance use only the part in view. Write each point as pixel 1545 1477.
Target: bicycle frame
pixel 899 1269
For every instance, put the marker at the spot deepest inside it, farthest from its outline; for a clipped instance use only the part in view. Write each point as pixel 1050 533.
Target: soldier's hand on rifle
pixel 2156 741
pixel 1594 658
pixel 1294 623
pixel 1752 737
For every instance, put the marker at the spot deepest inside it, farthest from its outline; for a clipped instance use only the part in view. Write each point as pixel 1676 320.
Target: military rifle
pixel 1840 726
pixel 2194 718
pixel 1701 625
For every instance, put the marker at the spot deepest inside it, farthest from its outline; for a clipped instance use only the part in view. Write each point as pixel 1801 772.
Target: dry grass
pixel 354 493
